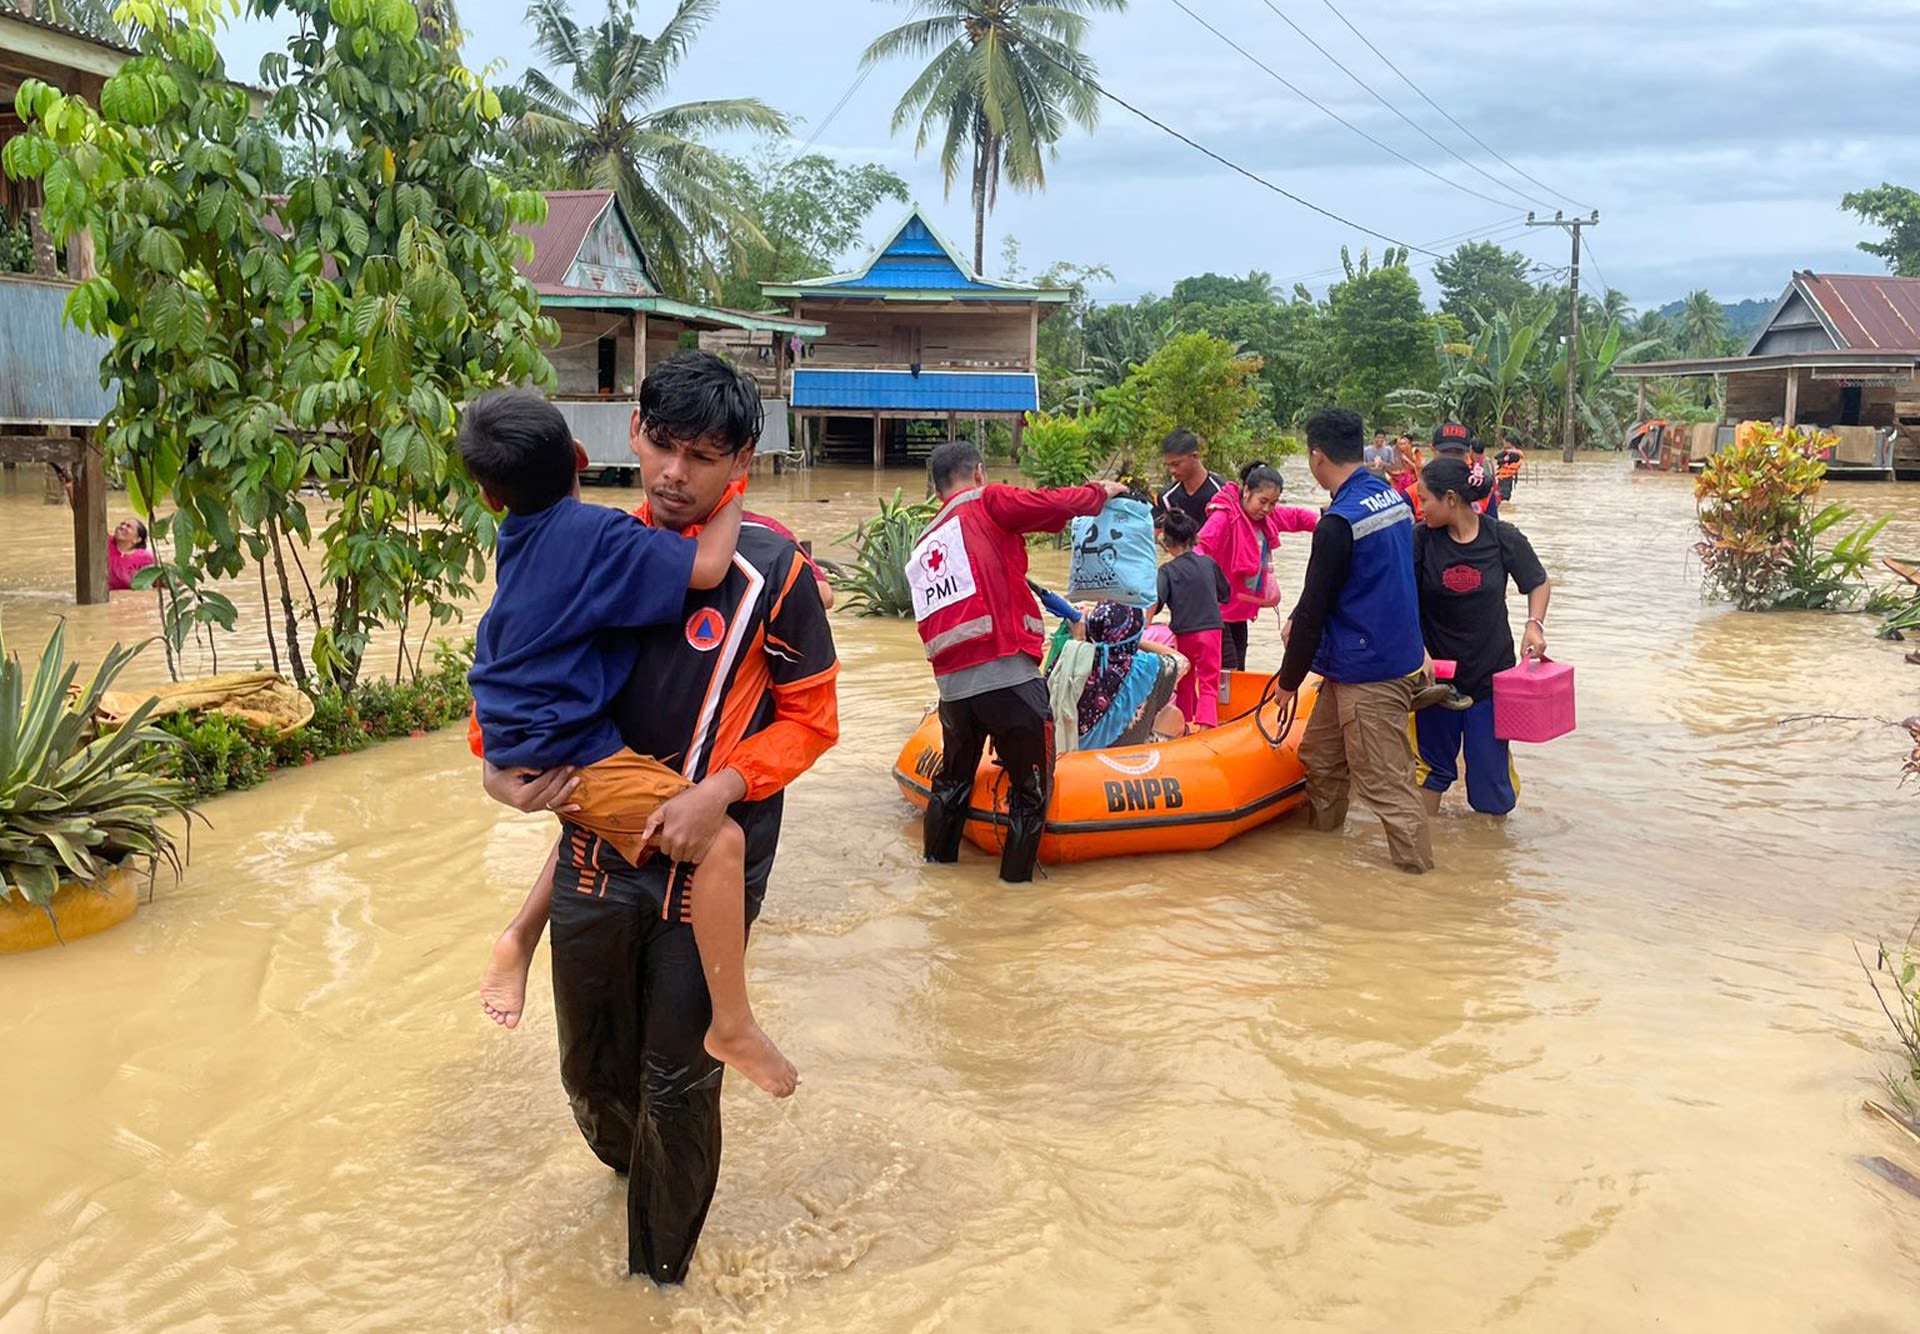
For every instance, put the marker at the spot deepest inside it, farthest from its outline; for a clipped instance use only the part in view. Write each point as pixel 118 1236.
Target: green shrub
pixel 1055 452
pixel 1760 534
pixel 1828 579
pixel 216 753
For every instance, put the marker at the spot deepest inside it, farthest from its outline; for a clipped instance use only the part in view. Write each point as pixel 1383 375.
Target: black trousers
pixel 1233 646
pixel 1019 722
pixel 632 1009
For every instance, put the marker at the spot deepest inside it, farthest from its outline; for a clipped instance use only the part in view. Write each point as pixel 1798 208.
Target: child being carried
pixel 545 674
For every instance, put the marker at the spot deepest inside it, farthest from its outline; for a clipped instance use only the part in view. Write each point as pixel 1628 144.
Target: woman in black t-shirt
pixel 1462 562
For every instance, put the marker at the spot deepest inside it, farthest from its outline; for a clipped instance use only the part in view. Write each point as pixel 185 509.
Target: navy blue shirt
pixel 545 667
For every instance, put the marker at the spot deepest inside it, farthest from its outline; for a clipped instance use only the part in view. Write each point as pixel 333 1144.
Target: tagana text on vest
pixel 970 606
pixel 1373 630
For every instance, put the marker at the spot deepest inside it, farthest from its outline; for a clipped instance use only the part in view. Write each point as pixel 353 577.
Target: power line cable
pixel 852 88
pixel 1228 163
pixel 1324 109
pixel 1495 233
pixel 1404 78
pixel 1376 95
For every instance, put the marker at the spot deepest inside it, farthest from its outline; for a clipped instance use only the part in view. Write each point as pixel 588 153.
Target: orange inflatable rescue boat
pixel 1184 795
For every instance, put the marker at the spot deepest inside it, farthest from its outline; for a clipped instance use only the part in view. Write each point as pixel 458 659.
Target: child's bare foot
pixel 750 1051
pixel 503 987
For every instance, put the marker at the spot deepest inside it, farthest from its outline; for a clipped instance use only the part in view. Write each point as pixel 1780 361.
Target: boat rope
pixel 1283 716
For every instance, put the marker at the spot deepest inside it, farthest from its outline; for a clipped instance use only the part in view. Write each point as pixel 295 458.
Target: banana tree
pixel 1484 382
pixel 1603 403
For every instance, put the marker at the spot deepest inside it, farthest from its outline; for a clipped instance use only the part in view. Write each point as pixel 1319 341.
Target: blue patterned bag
pixel 1113 555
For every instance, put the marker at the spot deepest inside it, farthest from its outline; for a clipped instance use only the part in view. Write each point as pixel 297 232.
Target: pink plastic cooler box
pixel 1534 701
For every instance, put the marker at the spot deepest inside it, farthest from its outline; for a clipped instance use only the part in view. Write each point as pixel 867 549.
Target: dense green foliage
pixel 273 329
pixel 1895 209
pixel 1480 278
pixel 1370 343
pixel 75 801
pixel 1197 381
pixel 1057 451
pixel 807 213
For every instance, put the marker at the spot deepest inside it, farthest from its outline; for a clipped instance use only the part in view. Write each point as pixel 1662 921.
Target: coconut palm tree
pixel 1005 79
pixel 608 129
pixel 1703 325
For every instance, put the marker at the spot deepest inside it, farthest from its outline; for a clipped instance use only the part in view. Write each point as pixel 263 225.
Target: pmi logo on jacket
pixel 939 571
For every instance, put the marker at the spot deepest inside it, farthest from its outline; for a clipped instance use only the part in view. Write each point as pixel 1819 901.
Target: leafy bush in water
pixel 1829 580
pixel 1760 535
pixel 875 581
pixel 1055 451
pixel 75 801
pixel 216 753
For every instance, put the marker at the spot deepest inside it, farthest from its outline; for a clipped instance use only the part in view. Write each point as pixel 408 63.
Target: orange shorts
pixel 619 795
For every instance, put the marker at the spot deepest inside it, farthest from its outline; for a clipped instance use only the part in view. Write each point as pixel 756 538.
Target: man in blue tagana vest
pixel 1358 625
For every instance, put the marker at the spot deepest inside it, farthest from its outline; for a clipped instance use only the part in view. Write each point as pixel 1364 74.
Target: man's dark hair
pixel 951 461
pixel 1179 528
pixel 698 396
pixel 1180 441
pixel 517 445
pixel 1339 434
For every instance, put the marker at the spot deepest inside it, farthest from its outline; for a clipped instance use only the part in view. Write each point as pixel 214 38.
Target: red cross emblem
pixel 936 557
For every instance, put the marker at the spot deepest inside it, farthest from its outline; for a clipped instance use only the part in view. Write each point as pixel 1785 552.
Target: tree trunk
pixel 286 608
pixel 980 200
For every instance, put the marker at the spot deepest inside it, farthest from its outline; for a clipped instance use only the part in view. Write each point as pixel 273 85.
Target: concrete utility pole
pixel 1572 226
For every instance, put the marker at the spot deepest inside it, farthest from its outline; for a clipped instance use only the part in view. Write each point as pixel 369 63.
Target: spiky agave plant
pixel 76 801
pixel 876 580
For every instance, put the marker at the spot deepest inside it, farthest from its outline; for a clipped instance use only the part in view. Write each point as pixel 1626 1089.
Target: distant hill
pixel 1743 318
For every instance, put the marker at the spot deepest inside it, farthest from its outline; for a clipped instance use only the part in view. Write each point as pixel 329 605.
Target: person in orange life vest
pixel 1451 440
pixel 982 629
pixel 741 694
pixel 1405 471
pixel 1509 461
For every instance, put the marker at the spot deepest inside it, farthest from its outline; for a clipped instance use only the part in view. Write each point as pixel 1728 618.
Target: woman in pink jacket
pixel 1243 527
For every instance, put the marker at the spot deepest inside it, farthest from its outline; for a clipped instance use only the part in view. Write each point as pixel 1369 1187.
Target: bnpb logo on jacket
pixel 939 571
pixel 706 628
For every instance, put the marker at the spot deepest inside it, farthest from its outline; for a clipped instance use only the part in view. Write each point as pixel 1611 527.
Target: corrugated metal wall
pixel 49 371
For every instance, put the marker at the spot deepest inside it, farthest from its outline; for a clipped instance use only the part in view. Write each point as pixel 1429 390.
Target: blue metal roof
pixel 916 259
pixel 930 391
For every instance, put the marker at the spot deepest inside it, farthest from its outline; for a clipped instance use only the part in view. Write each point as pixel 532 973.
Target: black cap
pixel 1452 437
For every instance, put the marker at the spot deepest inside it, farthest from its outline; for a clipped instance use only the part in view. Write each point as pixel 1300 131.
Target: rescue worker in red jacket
pixel 982 630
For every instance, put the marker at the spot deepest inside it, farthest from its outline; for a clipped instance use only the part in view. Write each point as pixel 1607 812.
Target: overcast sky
pixel 1715 137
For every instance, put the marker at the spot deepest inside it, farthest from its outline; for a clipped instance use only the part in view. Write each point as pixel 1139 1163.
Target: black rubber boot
pixel 1026 822
pixel 946 822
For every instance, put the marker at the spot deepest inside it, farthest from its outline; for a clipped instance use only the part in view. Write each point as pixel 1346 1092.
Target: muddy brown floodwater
pixel 1602 1071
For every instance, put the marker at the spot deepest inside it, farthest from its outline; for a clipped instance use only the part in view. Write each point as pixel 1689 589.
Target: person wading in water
pixel 740 694
pixel 982 628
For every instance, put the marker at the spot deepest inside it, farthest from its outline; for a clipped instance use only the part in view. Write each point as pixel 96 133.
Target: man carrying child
pixel 733 695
